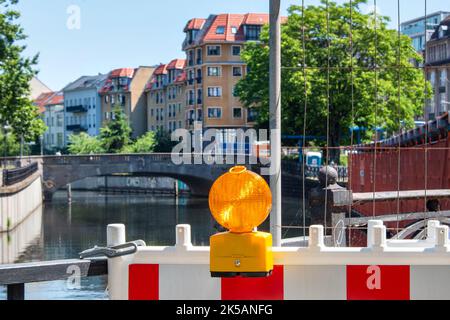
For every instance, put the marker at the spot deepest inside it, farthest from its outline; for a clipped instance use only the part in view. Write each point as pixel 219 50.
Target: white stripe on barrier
pixel 315 283
pixel 187 282
pixel 430 282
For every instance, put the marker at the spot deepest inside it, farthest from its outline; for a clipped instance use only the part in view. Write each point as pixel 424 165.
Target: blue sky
pixel 131 33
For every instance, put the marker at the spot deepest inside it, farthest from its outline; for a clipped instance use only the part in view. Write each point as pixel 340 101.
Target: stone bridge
pixel 58 171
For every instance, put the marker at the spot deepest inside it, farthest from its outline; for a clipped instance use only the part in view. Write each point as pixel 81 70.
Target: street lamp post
pixel 275 120
pixel 5 128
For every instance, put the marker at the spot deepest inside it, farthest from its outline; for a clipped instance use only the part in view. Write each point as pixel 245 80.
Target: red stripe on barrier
pixel 143 282
pixel 378 283
pixel 270 288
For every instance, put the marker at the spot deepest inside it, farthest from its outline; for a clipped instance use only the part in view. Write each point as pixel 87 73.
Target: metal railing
pixel 13 176
pixel 14 276
pixel 311 172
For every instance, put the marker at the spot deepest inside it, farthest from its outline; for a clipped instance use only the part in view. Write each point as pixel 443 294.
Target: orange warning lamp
pixel 240 201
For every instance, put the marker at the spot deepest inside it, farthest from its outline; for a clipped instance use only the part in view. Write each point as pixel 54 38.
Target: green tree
pixel 144 144
pixel 11 145
pixel 116 135
pixel 358 72
pixel 16 72
pixel 83 143
pixel 164 143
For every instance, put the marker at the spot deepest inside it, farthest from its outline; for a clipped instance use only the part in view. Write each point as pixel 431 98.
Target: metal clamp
pixel 113 252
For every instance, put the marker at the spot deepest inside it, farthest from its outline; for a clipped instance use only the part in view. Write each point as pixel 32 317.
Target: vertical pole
pixel 275 120
pixel 69 193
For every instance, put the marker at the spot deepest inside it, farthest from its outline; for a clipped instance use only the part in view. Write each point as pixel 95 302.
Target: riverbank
pixel 18 201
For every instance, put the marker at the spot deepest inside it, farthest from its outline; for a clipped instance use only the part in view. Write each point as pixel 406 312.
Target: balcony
pixel 199 101
pixel 191 102
pixel 190 82
pixel 199 61
pixel 77 109
pixel 199 80
pixel 76 128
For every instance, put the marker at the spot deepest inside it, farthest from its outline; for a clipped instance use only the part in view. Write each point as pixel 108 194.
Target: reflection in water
pixel 67 229
pixel 24 240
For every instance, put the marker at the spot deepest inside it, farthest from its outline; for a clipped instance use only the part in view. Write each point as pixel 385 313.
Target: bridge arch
pixel 63 170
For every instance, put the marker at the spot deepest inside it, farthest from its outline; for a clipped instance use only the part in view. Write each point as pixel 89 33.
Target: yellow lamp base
pixel 241 254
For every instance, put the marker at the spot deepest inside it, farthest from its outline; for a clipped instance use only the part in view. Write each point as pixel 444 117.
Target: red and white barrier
pixel 388 270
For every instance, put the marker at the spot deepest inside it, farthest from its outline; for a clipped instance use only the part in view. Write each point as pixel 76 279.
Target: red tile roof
pixel 56 99
pixel 177 64
pixel 228 22
pixel 124 72
pixel 161 69
pixel 42 99
pixel 117 73
pixel 194 24
pixel 256 19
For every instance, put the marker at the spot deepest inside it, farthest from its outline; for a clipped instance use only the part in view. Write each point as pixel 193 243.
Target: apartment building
pixel 421 29
pixel 125 88
pixel 166 97
pixel 438 69
pixel 53 116
pixel 214 66
pixel 82 105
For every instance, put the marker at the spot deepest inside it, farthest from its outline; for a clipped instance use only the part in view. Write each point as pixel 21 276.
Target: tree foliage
pixel 116 135
pixel 145 144
pixel 16 72
pixel 11 145
pixel 164 141
pixel 357 72
pixel 83 143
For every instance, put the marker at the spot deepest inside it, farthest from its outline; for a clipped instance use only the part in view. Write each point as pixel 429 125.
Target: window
pixel 214 92
pixel 113 99
pixel 234 30
pixel 152 113
pixel 236 50
pixel 253 32
pixel 199 56
pixel 190 58
pixel 252 115
pixel 220 30
pixel 214 112
pixel 237 71
pixel 237 113
pixel 106 99
pixel 214 71
pixel 123 81
pixel 443 79
pixel 199 96
pixel 213 50
pixel 433 78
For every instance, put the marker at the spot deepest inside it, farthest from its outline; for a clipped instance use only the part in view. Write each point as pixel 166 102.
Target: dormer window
pixel 220 30
pixel 442 31
pixel 252 32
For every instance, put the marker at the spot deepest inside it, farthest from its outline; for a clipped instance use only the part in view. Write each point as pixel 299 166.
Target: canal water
pixel 60 231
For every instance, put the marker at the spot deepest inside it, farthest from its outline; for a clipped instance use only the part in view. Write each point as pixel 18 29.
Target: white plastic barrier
pixel 384 270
